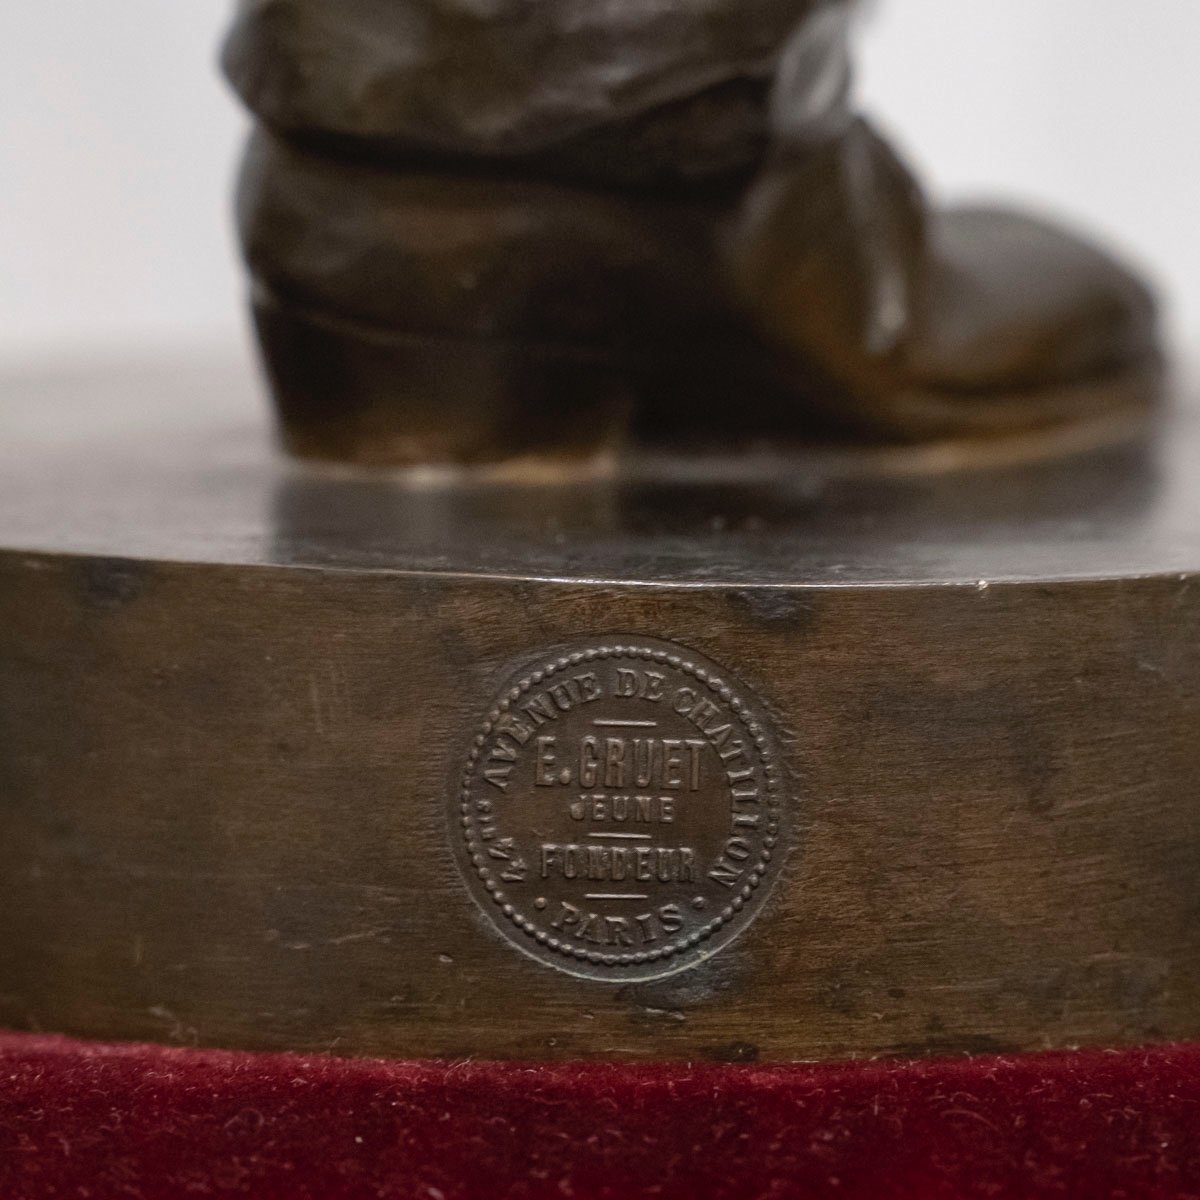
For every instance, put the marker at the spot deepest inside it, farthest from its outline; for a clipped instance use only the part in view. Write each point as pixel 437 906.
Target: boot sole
pixel 350 392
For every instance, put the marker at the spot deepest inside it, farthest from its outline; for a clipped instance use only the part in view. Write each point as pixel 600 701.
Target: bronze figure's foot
pixel 913 323
pixel 553 230
pixel 417 316
pixel 920 323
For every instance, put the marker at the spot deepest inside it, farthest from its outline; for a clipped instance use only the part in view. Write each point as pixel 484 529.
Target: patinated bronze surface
pixel 483 232
pixel 240 695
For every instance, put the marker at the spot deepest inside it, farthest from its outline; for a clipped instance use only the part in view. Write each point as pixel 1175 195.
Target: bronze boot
pixel 418 316
pixel 480 233
pixel 908 322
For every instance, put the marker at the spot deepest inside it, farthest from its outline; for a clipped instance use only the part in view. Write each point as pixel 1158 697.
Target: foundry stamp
pixel 621 810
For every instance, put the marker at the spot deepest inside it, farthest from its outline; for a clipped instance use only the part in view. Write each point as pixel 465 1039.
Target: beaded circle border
pixel 741 710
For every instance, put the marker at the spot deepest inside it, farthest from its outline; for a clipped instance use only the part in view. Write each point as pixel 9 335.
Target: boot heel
pixel 348 391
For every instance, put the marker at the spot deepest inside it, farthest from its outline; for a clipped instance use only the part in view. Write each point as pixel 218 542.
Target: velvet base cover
pixel 85 1120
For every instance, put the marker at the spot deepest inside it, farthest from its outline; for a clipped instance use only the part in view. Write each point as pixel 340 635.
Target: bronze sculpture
pixel 485 230
pixel 707 762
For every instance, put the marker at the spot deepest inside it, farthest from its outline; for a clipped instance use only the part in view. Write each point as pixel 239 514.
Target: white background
pixel 117 143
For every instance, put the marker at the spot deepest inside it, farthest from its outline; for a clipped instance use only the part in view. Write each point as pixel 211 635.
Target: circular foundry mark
pixel 621 811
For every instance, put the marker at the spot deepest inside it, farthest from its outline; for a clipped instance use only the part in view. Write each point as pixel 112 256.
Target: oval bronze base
pixel 238 696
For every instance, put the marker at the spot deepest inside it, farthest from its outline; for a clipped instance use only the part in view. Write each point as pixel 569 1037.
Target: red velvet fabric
pixel 82 1120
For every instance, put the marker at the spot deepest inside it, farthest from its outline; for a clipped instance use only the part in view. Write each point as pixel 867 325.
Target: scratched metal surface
pixel 237 697
pixel 176 461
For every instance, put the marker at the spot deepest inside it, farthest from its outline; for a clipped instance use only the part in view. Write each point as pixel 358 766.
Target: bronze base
pixel 253 718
